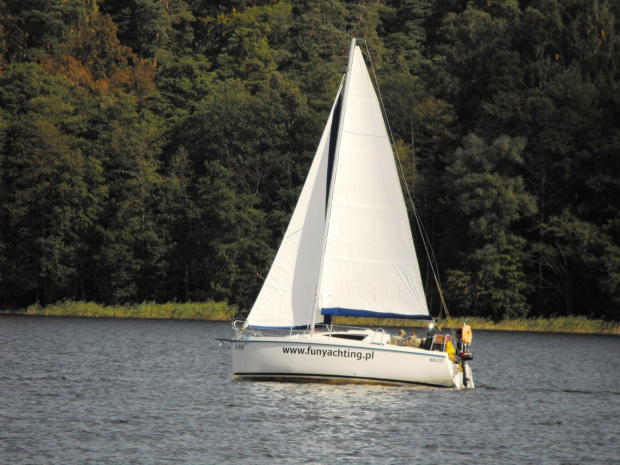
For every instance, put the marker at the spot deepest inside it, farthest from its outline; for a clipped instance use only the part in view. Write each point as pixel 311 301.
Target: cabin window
pixel 353 337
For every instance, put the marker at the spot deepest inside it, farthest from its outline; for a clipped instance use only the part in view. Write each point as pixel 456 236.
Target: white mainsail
pixel 364 264
pixel 370 266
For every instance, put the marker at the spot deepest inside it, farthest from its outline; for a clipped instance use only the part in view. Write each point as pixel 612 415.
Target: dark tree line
pixel 154 149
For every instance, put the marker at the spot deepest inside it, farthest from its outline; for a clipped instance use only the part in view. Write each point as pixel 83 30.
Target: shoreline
pixel 221 311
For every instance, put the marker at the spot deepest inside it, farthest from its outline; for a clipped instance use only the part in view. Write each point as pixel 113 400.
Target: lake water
pixel 86 391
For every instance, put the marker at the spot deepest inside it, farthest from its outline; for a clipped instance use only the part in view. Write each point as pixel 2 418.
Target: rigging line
pixel 425 239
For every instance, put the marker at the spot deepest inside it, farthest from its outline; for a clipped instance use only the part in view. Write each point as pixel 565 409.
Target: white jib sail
pixel 285 300
pixel 370 265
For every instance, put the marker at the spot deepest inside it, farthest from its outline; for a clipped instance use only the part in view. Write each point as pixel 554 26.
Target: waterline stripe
pixel 319 376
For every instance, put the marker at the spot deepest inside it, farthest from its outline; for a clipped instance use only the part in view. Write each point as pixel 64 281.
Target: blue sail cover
pixel 371 314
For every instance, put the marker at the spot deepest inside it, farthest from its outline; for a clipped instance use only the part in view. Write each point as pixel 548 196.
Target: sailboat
pixel 348 251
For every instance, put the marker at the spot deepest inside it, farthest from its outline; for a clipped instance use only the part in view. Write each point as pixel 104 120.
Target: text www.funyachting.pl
pixel 345 353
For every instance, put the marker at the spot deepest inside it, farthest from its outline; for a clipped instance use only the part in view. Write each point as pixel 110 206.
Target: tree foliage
pixel 155 149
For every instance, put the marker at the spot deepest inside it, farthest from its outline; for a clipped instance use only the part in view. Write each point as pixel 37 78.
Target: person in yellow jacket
pixel 450 350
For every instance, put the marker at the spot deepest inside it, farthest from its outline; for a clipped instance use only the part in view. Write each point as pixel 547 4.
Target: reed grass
pixel 568 324
pixel 147 310
pixel 221 311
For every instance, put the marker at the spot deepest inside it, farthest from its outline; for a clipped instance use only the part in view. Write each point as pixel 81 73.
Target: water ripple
pixel 79 391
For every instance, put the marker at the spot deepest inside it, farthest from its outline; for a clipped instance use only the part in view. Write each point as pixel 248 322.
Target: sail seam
pixel 371 206
pixel 367 260
pixel 365 134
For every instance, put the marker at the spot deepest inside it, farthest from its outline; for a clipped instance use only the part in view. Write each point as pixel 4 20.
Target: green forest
pixel 153 150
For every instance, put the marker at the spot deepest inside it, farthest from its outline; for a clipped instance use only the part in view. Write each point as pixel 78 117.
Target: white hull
pixel 330 357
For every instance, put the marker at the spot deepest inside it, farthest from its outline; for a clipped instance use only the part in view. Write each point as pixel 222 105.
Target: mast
pixel 343 109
